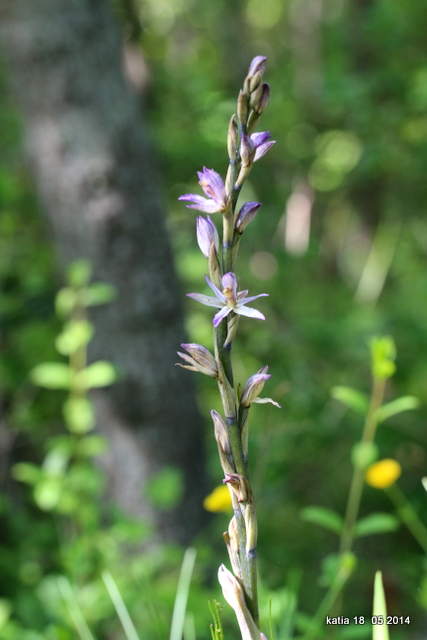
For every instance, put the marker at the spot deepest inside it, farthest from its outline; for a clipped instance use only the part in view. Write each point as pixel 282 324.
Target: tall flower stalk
pixel 244 147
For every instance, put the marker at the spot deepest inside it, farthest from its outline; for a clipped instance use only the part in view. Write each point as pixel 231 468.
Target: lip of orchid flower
pixel 229 299
pixel 213 186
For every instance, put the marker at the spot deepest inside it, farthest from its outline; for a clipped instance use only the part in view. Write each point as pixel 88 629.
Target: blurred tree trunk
pixel 98 180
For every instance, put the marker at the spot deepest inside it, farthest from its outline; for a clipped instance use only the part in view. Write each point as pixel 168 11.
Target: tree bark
pixel 98 181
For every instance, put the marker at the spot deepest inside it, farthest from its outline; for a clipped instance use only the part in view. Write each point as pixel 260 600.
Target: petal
pixel 260 137
pixel 207 300
pixel 242 301
pixel 221 297
pixel 185 357
pixel 248 311
pixel 213 185
pixel 262 150
pixel 220 315
pixel 264 400
pixel 207 205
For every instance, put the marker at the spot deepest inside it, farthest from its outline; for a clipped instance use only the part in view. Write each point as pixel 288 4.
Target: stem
pixel 357 481
pixel 318 620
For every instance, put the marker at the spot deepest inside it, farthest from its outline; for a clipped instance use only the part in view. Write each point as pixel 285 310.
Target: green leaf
pixel 363 454
pixel 99 293
pixel 92 446
pixel 55 462
pixel 379 631
pixel 351 398
pixel 79 415
pixel 51 375
pixel 405 403
pixel 323 517
pixel 47 492
pixel 79 273
pixel 26 472
pixel 376 523
pixel 5 612
pixel 65 301
pixel 98 374
pixel 76 334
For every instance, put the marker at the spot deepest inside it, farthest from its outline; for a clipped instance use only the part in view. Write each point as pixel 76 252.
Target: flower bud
pixel 246 214
pixel 207 235
pixel 256 97
pixel 257 65
pixel 242 108
pixel 233 593
pixel 231 539
pixel 255 81
pixel 251 526
pixel 254 386
pixel 200 359
pixel 247 150
pixel 263 101
pixel 221 432
pixel 232 138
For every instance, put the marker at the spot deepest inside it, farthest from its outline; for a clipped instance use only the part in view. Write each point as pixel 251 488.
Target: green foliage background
pixel 349 113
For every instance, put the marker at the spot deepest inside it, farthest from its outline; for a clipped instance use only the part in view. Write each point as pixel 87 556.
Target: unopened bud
pixel 207 235
pixel 263 101
pixel 251 526
pixel 255 81
pixel 223 442
pixel 247 150
pixel 257 65
pixel 200 359
pixel 256 97
pixel 246 214
pixel 231 329
pixel 233 138
pixel 232 541
pixel 233 593
pixel 221 432
pixel 242 108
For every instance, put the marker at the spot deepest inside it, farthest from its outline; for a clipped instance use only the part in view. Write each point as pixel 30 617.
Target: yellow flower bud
pixel 383 474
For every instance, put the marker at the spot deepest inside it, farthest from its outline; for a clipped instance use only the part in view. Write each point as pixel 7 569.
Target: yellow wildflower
pixel 383 474
pixel 218 500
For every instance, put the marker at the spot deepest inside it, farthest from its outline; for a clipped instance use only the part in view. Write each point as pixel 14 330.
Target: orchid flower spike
pixel 229 299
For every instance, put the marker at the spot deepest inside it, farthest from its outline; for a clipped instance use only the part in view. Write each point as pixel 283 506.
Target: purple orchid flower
pixel 262 143
pixel 253 387
pixel 213 186
pixel 207 235
pixel 229 299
